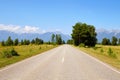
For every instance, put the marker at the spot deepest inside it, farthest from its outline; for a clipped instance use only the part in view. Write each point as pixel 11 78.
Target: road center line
pixel 63 60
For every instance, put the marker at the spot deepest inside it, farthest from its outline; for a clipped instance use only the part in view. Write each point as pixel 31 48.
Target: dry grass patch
pixel 107 54
pixel 24 52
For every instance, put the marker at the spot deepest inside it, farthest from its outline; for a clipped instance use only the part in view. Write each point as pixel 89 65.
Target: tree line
pixel 85 35
pixel 114 41
pixel 55 39
pixel 10 42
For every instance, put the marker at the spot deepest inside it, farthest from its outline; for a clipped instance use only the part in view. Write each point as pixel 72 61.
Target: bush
pixel 13 52
pixel 95 48
pixel 82 45
pixel 9 53
pixel 40 47
pixel 101 50
pixel 6 54
pixel 111 54
pixel 114 56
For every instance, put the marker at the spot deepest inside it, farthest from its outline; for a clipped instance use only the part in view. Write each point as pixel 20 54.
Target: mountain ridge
pixel 47 35
pixel 44 36
pixel 107 34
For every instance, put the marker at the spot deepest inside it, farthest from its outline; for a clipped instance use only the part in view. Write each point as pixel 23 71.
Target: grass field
pixel 24 51
pixel 103 53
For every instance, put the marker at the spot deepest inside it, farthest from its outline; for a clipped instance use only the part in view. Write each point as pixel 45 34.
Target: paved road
pixel 61 63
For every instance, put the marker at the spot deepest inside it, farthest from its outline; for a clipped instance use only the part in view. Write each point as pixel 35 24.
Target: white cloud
pixel 25 29
pixel 53 30
pixel 20 29
pixel 9 27
pixel 30 29
pixel 108 30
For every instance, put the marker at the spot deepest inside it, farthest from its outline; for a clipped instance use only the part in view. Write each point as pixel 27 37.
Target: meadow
pixel 24 52
pixel 107 54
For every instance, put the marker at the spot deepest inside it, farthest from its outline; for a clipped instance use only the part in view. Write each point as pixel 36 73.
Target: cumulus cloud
pixel 20 29
pixel 30 29
pixel 9 27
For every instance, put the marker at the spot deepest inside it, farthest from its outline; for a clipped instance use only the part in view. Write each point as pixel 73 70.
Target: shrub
pixel 101 50
pixel 95 48
pixel 13 52
pixel 114 55
pixel 40 47
pixel 82 45
pixel 6 54
pixel 9 53
pixel 111 54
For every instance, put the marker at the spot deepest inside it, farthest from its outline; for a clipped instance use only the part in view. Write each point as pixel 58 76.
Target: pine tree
pixel 3 43
pixel 22 43
pixel 53 38
pixel 33 41
pixel 114 40
pixel 16 41
pixel 9 41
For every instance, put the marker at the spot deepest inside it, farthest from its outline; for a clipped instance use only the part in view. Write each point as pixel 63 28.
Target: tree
pixel 3 43
pixel 48 42
pixel 70 41
pixel 33 41
pixel 119 41
pixel 83 33
pixel 16 41
pixel 22 43
pixel 58 39
pixel 53 38
pixel 106 41
pixel 63 42
pixel 38 41
pixel 26 42
pixel 9 41
pixel 114 40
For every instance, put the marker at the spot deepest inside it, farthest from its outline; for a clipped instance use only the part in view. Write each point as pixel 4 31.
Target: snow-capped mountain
pixel 101 33
pixel 107 34
pixel 44 36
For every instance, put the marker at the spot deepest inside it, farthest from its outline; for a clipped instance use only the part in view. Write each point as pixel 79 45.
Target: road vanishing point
pixel 62 63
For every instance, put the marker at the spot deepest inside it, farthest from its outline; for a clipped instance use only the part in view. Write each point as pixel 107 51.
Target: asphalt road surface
pixel 61 63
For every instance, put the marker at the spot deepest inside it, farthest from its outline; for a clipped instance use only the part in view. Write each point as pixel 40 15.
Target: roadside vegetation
pixel 12 51
pixel 107 51
pixel 83 33
pixel 107 54
pixel 84 38
pixel 12 54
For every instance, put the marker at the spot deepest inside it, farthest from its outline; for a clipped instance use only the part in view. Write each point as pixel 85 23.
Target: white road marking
pixel 101 62
pixel 63 60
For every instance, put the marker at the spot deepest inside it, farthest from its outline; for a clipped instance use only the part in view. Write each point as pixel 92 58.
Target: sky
pixel 58 15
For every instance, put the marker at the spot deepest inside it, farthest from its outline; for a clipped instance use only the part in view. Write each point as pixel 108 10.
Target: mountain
pixel 107 34
pixel 45 36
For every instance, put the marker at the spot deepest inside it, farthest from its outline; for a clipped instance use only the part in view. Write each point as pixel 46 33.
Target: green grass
pixel 107 54
pixel 24 51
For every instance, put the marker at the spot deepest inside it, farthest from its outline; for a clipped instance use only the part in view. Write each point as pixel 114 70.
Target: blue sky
pixel 51 15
